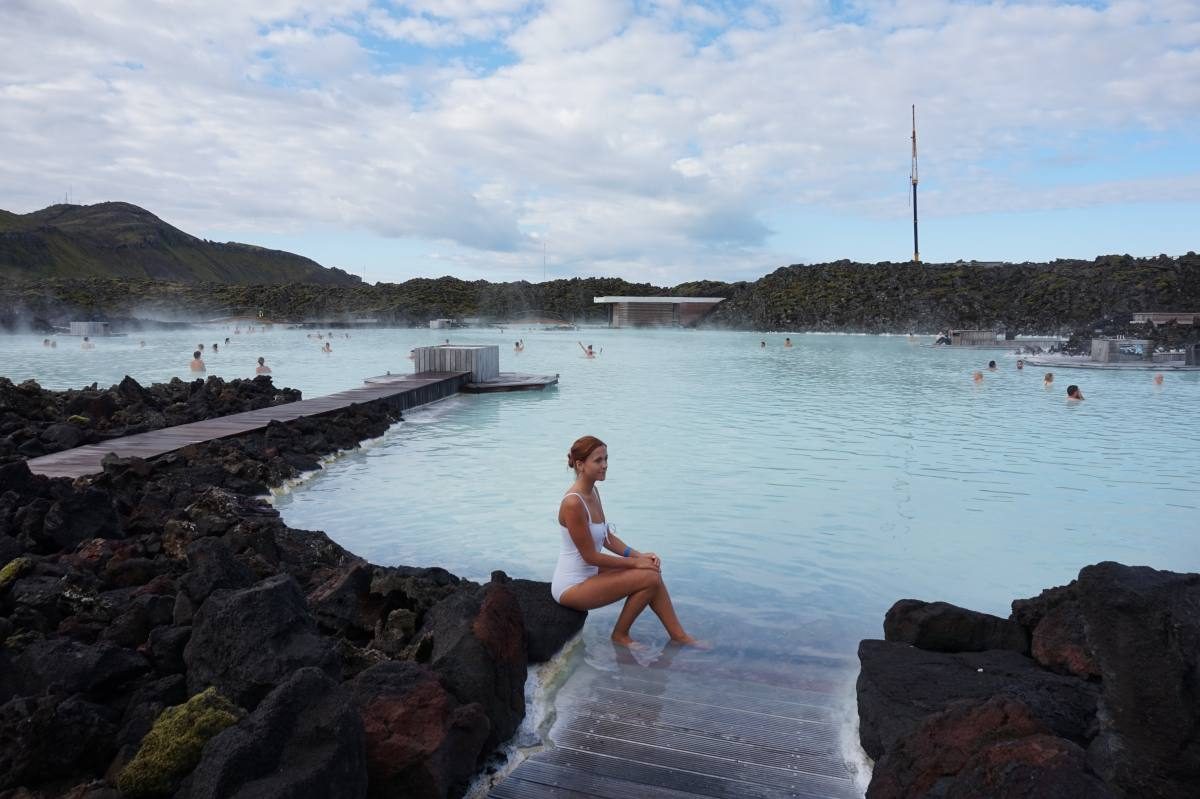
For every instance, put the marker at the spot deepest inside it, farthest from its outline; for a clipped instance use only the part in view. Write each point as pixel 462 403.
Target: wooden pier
pixel 399 391
pixel 663 733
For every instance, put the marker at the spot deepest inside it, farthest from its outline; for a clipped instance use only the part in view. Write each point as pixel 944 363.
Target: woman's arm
pixel 617 545
pixel 574 518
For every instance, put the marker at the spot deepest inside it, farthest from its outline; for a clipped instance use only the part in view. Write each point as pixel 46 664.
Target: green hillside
pixel 119 240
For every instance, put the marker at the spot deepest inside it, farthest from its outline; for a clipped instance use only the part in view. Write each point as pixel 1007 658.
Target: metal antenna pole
pixel 913 178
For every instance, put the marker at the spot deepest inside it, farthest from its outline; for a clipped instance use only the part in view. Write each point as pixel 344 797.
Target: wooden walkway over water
pixel 646 733
pixel 400 391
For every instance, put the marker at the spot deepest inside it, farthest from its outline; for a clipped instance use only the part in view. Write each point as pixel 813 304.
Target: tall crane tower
pixel 913 177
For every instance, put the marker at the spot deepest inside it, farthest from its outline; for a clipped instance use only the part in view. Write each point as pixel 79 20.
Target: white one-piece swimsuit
pixel 572 569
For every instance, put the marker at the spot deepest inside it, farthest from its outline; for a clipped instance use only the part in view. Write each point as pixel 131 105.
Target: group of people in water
pixel 1074 392
pixel 197 363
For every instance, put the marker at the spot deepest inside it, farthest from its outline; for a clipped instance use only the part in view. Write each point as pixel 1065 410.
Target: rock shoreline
pixel 166 634
pixel 1087 690
pixel 35 421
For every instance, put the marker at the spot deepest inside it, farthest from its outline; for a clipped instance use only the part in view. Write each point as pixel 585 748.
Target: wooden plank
pixel 780 755
pixel 517 788
pixel 587 783
pixel 634 680
pixel 749 728
pixel 777 778
pixel 702 699
pixel 720 786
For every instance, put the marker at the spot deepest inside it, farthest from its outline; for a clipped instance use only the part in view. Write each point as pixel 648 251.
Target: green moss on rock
pixel 14 569
pixel 172 748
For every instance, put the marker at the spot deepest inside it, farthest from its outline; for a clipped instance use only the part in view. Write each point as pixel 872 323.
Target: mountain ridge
pixel 125 241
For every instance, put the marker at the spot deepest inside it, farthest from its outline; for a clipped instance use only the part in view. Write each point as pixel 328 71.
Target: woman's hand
pixel 657 560
pixel 646 562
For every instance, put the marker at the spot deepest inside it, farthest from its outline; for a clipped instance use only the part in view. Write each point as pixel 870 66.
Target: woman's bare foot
pixel 627 641
pixel 687 640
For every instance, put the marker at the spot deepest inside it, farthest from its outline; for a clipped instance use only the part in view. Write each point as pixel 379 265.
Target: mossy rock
pixel 172 748
pixel 14 569
pixel 80 420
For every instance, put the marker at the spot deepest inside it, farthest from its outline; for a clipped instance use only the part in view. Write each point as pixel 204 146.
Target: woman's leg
pixel 662 607
pixel 641 587
pixel 607 587
pixel 659 600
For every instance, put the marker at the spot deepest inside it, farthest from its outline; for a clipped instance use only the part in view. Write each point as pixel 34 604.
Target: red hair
pixel 582 449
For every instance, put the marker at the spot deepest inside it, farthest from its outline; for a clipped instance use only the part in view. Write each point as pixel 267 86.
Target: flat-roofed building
pixel 656 311
pixel 1163 317
pixel 90 329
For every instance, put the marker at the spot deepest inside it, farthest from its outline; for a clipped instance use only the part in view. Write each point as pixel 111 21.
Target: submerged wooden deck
pixel 665 734
pixel 400 391
pixel 505 381
pixel 512 381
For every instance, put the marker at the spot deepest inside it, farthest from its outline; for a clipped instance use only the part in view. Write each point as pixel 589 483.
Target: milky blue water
pixel 793 494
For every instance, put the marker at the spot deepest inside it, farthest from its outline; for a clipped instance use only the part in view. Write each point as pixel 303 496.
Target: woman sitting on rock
pixel 586 578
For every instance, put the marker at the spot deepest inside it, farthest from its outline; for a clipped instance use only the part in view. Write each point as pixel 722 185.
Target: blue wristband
pixel 625 554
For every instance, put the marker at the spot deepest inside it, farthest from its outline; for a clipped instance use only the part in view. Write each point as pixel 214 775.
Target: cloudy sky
pixel 658 141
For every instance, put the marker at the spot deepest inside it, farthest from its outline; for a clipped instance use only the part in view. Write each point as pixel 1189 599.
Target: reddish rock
pixel 499 626
pixel 91 555
pixel 1034 767
pixel 475 640
pixel 420 741
pixel 945 742
pixel 1060 642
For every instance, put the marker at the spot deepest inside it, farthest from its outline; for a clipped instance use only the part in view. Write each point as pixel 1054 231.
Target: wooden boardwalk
pixel 400 391
pixel 667 734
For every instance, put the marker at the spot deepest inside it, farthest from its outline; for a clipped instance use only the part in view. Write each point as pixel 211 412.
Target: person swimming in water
pixel 977 377
pixel 1048 380
pixel 588 352
pixel 197 364
pixel 262 368
pixel 87 344
pixel 991 366
pixel 216 347
pixel 1020 364
pixel 762 345
pixel 519 346
pixel 1073 393
pixel 787 342
pixel 326 348
pixel 585 578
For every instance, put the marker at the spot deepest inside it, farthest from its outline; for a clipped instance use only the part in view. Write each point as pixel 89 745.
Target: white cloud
pixel 638 140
